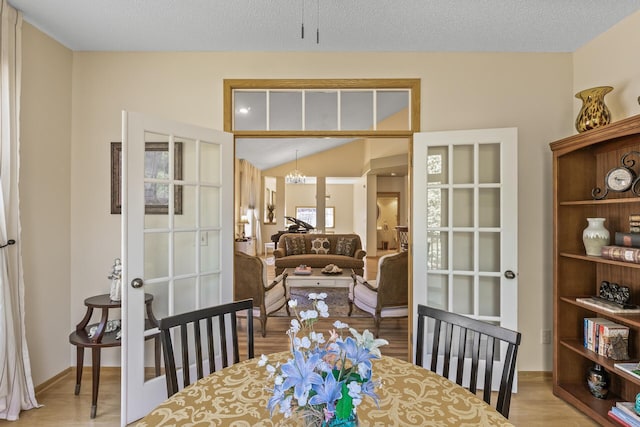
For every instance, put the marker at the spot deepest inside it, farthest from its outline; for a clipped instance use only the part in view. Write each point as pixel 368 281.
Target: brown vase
pixel 594 113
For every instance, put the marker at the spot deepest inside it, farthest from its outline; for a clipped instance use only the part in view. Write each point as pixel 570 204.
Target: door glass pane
pixel 438 290
pixel 209 246
pixel 285 110
pixel 489 253
pixel 489 163
pixel 210 206
pixel 462 294
pixel 463 161
pixel 184 253
pixel 160 292
pixel 184 295
pixel 437 165
pixel 185 160
pixel 437 207
pixel 321 110
pixel 356 110
pixel 392 108
pixel 209 163
pixel 437 250
pixel 489 207
pixel 156 255
pixel 489 296
pixel 463 254
pixel 210 290
pixel 250 110
pixel 463 207
pixel 187 215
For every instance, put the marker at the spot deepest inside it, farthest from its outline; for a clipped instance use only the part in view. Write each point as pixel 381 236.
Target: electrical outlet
pixel 545 336
pixel 204 238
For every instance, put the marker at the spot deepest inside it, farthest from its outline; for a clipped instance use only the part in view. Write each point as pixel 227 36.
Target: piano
pixel 298 226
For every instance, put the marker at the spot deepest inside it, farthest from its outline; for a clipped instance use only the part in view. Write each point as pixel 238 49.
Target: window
pixel 308 215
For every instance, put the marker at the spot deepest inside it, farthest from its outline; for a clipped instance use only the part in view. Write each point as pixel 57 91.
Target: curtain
pixel 16 385
pixel 250 191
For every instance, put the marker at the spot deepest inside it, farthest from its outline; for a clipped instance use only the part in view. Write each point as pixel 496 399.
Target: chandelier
pixel 295 176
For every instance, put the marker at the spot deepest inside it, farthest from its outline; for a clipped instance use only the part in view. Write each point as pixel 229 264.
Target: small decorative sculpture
pixel 115 276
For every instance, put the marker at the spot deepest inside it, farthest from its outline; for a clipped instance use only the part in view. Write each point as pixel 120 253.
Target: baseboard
pixel 535 374
pixel 51 381
pixel 86 374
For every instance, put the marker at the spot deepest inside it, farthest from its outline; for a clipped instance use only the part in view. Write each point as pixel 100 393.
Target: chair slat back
pixel 192 320
pixel 475 338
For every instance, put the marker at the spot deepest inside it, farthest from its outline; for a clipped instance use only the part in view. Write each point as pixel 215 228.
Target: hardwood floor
pixel 533 405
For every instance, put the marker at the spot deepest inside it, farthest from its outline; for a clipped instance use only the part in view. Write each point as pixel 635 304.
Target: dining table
pixel 409 395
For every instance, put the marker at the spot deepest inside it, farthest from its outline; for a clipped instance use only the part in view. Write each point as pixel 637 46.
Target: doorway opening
pixel 387 217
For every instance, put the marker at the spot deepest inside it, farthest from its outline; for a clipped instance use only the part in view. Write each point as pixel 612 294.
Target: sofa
pixel 319 250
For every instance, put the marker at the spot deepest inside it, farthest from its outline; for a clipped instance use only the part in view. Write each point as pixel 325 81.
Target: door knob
pixel 137 283
pixel 509 274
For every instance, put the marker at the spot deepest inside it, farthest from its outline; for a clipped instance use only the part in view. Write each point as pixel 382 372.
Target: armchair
pixel 250 281
pixel 388 294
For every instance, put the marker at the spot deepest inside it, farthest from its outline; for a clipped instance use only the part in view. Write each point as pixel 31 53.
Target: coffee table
pixel 301 285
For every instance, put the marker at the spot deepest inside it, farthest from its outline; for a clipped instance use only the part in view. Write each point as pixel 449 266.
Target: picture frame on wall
pixel 156 165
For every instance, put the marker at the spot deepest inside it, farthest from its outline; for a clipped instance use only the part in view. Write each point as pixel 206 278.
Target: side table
pixel 101 339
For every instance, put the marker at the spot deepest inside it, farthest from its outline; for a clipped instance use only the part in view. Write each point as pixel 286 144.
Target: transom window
pixel 322 110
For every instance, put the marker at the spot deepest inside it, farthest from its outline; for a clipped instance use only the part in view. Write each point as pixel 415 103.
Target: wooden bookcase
pixel 580 163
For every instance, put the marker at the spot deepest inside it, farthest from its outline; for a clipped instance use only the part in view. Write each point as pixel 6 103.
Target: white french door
pixel 465 225
pixel 177 237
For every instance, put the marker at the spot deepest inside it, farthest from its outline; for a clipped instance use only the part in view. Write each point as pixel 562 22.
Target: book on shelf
pixel 630 409
pixel 617 418
pixel 608 306
pixel 634 217
pixel 607 338
pixel 590 332
pixel 621 253
pixel 634 229
pixel 629 240
pixel 625 417
pixel 630 368
pixel 613 341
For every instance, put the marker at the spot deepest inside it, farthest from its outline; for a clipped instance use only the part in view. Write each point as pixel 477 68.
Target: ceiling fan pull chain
pixel 302 20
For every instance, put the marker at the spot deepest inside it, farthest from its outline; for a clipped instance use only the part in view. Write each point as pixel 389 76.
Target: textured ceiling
pixel 344 25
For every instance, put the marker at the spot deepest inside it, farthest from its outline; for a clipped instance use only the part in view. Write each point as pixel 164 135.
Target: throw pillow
pixel 320 246
pixel 295 245
pixel 346 246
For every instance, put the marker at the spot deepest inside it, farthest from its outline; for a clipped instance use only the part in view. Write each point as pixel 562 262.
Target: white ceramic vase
pixel 595 236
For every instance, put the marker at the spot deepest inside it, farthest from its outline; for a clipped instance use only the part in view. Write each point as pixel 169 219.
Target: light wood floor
pixel 533 405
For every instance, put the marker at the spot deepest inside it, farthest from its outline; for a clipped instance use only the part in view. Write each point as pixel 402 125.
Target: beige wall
pixel 459 91
pixel 533 92
pixel 612 60
pixel 45 171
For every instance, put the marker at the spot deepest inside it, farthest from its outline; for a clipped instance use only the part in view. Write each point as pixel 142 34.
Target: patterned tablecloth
pixel 410 396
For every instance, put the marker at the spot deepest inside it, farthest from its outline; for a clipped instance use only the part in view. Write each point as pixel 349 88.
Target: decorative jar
pixel 594 113
pixel 598 381
pixel 595 236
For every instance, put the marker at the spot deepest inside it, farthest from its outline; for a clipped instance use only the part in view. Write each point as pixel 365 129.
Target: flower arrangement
pixel 326 379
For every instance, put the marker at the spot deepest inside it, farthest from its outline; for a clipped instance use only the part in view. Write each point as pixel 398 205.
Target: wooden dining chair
pixel 477 340
pixel 190 330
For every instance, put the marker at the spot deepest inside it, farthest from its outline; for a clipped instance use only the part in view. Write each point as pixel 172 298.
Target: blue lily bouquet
pixel 327 378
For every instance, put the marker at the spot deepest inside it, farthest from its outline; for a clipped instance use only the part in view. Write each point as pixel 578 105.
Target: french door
pixel 177 237
pixel 465 225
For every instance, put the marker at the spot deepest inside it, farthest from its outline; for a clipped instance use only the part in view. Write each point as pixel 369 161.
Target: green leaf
pixel 345 404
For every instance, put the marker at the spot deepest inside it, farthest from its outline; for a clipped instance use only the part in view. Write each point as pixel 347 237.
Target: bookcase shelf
pixel 632 320
pixel 580 164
